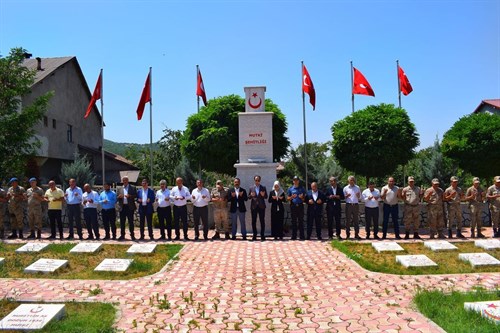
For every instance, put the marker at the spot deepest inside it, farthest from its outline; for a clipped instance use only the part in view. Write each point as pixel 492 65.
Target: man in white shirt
pixel 352 195
pixel 200 197
pixel 390 194
pixel 164 211
pixel 371 196
pixel 179 195
pixel 90 201
pixel 73 198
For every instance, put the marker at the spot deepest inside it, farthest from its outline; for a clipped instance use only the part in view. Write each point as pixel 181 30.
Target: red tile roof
pixel 493 102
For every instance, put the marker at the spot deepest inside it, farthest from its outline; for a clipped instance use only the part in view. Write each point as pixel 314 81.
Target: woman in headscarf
pixel 276 198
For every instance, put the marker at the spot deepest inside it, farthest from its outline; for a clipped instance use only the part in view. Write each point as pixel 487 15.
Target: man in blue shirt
pixel 74 197
pixel 296 195
pixel 107 199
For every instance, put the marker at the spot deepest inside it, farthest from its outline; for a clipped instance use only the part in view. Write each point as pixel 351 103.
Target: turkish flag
pixel 308 86
pixel 145 97
pixel 360 85
pixel 200 89
pixel 404 84
pixel 95 96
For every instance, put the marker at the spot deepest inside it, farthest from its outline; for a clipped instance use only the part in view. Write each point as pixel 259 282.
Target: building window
pixel 70 133
pixel 53 123
pixel 45 121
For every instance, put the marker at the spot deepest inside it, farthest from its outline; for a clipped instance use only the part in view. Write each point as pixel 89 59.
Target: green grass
pixel 448 263
pixel 447 310
pixel 80 317
pixel 81 266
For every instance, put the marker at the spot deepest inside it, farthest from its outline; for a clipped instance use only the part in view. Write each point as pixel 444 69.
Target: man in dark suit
pixel 145 198
pixel 126 200
pixel 315 200
pixel 334 194
pixel 237 197
pixel 258 196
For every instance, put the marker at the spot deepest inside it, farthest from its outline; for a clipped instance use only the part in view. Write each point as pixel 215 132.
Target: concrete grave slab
pixel 418 260
pixel 46 266
pixel 114 265
pixel 141 248
pixel 488 244
pixel 479 259
pixel 32 247
pixel 27 317
pixel 86 248
pixel 489 310
pixel 440 245
pixel 386 246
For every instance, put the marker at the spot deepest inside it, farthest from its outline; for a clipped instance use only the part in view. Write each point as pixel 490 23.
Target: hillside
pixel 120 147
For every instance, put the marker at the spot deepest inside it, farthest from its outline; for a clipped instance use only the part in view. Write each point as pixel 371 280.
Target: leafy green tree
pixel 183 170
pixel 317 154
pixel 211 136
pixel 169 154
pixel 80 169
pixel 17 140
pixel 473 142
pixel 372 142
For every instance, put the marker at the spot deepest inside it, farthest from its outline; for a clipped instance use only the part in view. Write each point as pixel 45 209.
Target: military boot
pixel 479 234
pixel 407 235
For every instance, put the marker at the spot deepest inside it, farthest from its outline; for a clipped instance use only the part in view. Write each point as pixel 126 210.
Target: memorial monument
pixel 255 127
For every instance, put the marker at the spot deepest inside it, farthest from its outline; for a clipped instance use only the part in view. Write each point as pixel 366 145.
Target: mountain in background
pixel 120 147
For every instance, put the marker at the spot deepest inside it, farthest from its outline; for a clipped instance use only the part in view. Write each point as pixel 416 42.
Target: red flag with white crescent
pixel 308 86
pixel 145 97
pixel 200 89
pixel 95 96
pixel 360 84
pixel 404 84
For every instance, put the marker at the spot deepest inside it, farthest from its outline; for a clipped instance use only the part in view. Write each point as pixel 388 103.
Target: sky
pixel 450 51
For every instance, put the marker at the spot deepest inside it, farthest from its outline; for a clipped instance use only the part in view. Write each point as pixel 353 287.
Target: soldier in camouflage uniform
pixel 453 195
pixel 475 195
pixel 221 216
pixel 434 198
pixel 3 201
pixel 35 198
pixel 411 196
pixel 493 195
pixel 16 196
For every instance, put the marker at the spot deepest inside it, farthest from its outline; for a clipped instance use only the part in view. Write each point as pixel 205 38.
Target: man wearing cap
pixel 17 197
pixel 126 200
pixel 434 198
pixel 296 194
pixel 164 210
pixel 3 201
pixel 352 194
pixel 453 195
pixel 200 198
pixel 55 197
pixel 237 197
pixel 35 198
pixel 74 199
pixel 334 195
pixel 371 196
pixel 389 194
pixel 258 196
pixel 475 196
pixel 493 196
pixel 107 200
pixel 90 203
pixel 411 196
pixel 221 220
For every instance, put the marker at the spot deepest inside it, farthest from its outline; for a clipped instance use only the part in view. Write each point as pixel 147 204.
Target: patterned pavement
pixel 279 286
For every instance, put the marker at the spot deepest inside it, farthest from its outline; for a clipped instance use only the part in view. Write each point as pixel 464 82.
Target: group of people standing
pixel 443 207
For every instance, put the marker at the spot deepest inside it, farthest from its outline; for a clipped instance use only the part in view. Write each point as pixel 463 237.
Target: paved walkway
pixel 286 286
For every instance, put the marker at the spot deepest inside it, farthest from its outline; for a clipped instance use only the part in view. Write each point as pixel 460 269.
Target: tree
pixel 80 169
pixel 17 140
pixel 372 142
pixel 211 137
pixel 473 142
pixel 169 154
pixel 317 153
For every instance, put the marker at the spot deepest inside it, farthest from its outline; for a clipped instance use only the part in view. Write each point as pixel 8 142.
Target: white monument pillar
pixel 256 148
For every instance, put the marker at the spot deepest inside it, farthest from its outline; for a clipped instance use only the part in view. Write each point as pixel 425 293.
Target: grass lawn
pixel 447 310
pixel 81 266
pixel 80 317
pixel 448 262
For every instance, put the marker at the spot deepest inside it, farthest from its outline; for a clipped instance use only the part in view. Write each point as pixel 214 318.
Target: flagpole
pixel 304 118
pixel 352 84
pixel 151 124
pixel 102 130
pixel 198 111
pixel 399 83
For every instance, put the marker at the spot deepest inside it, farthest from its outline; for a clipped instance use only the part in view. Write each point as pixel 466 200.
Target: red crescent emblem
pixel 253 106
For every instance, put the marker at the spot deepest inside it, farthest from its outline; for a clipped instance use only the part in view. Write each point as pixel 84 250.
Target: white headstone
pixel 46 266
pixel 386 246
pixel 114 265
pixel 86 248
pixel 32 247
pixel 418 260
pixel 141 248
pixel 488 244
pixel 490 309
pixel 27 317
pixel 479 259
pixel 440 245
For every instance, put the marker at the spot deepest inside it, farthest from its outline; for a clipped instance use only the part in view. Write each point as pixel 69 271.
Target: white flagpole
pixel 151 123
pixel 304 119
pixel 102 129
